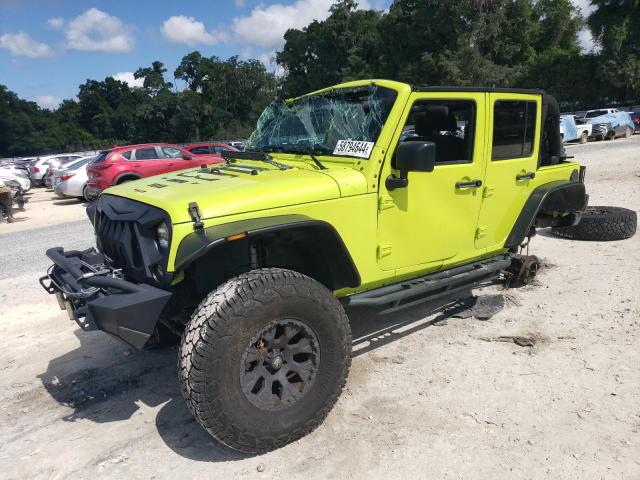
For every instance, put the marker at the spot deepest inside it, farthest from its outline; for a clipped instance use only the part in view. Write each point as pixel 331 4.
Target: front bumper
pixel 97 298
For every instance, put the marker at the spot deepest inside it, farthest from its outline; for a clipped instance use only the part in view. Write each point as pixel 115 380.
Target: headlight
pixel 163 236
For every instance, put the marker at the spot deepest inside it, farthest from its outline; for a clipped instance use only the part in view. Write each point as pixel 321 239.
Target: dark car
pixel 635 116
pixel 212 148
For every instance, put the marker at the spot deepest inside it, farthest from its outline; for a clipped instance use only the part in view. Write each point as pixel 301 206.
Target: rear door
pixel 511 166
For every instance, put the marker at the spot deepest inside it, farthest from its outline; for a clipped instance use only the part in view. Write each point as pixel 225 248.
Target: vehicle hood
pixel 246 186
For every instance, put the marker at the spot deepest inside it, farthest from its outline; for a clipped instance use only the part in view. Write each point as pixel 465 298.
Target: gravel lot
pixel 423 400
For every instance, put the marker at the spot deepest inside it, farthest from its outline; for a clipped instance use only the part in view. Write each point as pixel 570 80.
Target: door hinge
pixel 488 190
pixel 385 202
pixel 384 250
pixel 481 232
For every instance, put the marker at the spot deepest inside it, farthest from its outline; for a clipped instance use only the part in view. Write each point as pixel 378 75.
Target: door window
pixel 199 150
pixel 219 149
pixel 450 124
pixel 146 154
pixel 514 126
pixel 171 152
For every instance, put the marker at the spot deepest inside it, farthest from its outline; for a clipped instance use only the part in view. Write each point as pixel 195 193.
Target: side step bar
pixel 449 284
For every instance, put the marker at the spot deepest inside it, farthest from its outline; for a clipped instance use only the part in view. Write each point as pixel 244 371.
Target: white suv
pixel 599 112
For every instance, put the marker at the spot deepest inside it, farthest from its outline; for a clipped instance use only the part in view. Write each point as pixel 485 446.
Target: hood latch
pixel 196 216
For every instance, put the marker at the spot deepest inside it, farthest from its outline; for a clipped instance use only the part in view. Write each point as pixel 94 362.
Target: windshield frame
pixel 375 117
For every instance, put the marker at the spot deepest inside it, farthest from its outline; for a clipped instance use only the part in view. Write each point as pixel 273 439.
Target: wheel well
pixel 314 250
pixel 544 205
pixel 126 177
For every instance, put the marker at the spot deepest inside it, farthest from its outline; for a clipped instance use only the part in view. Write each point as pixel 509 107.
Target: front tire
pixel 264 359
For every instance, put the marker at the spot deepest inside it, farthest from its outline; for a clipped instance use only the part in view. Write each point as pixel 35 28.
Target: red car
pixel 214 148
pixel 122 164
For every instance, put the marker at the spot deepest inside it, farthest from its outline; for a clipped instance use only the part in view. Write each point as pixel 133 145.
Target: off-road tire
pixel 584 138
pixel 601 224
pixel 224 325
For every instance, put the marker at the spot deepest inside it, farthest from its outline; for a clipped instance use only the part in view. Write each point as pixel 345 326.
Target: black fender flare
pixel 564 196
pixel 198 243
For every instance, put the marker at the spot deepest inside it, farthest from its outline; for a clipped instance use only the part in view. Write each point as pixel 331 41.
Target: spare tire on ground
pixel 601 224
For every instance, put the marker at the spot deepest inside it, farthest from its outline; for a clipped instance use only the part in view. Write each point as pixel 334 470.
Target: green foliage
pixel 223 99
pixel 528 43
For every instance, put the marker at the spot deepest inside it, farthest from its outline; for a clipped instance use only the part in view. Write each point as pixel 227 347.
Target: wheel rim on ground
pixel 279 365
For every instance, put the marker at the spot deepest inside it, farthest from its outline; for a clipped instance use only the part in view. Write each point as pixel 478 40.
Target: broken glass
pixel 317 123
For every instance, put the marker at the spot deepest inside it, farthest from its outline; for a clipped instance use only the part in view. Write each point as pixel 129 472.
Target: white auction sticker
pixel 353 148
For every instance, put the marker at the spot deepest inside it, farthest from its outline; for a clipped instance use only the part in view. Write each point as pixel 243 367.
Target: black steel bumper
pixel 98 299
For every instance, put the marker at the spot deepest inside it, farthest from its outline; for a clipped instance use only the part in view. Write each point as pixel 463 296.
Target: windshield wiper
pixel 256 154
pixel 305 151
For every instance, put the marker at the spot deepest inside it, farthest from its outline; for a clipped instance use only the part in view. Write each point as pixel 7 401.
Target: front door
pixel 433 220
pixel 511 166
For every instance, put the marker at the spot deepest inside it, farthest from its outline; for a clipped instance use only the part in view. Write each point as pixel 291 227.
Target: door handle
pixel 471 184
pixel 525 176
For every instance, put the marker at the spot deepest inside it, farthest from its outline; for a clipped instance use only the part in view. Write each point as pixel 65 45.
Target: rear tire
pixel 601 224
pixel 584 138
pixel 238 368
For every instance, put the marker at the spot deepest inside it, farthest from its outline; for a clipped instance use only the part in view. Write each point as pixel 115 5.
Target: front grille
pixel 126 233
pixel 118 241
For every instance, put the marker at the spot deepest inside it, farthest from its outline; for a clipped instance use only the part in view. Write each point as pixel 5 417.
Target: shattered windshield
pixel 344 122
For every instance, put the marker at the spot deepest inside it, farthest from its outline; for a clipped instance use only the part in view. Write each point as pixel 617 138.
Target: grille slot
pixel 118 241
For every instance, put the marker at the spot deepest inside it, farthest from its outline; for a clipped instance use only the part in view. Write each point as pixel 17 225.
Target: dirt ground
pixel 425 398
pixel 45 208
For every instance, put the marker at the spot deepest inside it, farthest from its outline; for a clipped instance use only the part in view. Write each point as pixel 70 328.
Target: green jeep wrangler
pixel 369 193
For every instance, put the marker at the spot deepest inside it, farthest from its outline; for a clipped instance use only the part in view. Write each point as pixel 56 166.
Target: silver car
pixel 40 167
pixel 72 181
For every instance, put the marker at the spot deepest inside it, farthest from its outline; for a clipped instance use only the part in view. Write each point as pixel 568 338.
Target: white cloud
pixel 97 31
pixel 187 30
pixel 56 23
pixel 265 26
pixel 585 39
pixel 584 6
pixel 22 44
pixel 128 78
pixel 47 101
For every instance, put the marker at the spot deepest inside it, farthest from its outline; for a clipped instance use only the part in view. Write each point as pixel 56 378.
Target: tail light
pixel 64 178
pixel 35 170
pixel 100 166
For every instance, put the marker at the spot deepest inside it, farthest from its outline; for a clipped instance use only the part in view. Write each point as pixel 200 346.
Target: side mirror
pixel 187 156
pixel 412 157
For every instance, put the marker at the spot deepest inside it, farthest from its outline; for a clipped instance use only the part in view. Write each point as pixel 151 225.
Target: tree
pixel 153 76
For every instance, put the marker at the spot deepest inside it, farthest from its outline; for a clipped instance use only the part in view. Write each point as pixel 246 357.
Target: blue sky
pixel 49 47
